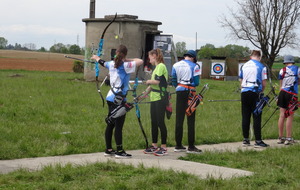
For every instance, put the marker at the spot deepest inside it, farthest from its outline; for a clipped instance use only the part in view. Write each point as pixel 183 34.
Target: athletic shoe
pixel 194 150
pixel 259 144
pixel 179 149
pixel 160 152
pixel 122 154
pixel 289 141
pixel 150 150
pixel 109 153
pixel 246 143
pixel 281 140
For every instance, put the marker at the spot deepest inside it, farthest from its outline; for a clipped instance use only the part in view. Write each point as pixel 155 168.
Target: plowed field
pixel 39 61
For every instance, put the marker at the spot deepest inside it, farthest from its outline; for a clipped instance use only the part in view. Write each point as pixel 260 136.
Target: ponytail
pixel 121 53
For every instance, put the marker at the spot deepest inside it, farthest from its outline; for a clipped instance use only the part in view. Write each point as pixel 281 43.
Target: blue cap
pixel 190 53
pixel 288 59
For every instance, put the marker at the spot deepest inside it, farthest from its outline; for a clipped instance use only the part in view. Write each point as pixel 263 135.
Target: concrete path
pixel 169 161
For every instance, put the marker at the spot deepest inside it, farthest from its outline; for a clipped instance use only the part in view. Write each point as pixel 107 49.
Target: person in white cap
pixel 287 99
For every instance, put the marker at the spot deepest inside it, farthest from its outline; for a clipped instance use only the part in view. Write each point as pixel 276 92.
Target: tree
pixel 9 46
pixel 206 51
pixel 3 43
pixel 42 49
pixel 58 48
pixel 74 49
pixel 180 49
pixel 268 24
pixel 18 46
pixel 236 51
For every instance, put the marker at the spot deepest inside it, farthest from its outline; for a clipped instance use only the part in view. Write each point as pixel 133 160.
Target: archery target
pixel 240 67
pixel 218 69
pixel 200 64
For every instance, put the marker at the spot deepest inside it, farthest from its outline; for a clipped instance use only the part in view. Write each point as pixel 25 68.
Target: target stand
pixel 218 68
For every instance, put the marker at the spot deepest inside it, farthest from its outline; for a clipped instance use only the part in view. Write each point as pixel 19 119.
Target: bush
pixel 78 66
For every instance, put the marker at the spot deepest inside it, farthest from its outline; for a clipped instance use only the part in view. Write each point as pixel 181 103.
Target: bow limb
pixel 272 91
pixel 277 108
pixel 99 91
pixel 99 53
pixel 137 109
pixel 270 82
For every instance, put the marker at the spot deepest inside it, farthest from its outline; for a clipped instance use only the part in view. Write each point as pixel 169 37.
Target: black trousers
pixel 249 100
pixel 181 105
pixel 157 110
pixel 118 126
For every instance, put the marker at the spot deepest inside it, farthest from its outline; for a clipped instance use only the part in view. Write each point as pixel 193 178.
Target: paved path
pixel 169 161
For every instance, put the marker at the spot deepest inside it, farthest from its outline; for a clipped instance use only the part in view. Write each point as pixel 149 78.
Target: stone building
pixel 137 35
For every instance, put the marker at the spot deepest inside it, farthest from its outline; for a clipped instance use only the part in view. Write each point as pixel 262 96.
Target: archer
pixel 287 99
pixel 119 70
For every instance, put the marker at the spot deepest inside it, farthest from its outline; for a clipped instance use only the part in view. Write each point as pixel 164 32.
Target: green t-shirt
pixel 160 73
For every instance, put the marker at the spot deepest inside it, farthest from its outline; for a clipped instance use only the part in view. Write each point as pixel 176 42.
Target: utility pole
pixel 78 39
pixel 196 41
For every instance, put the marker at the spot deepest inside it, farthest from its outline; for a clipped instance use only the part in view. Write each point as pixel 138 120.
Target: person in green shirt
pixel 158 95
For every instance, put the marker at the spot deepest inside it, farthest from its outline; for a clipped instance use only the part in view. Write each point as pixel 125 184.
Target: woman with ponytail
pixel 157 89
pixel 119 70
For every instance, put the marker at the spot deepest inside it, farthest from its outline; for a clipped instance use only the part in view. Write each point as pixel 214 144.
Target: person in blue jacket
pixel 253 78
pixel 185 78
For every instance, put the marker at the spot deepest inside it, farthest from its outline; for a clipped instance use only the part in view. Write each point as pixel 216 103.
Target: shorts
pixel 284 99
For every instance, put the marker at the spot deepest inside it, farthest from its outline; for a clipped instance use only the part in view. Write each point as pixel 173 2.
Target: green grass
pixel 273 169
pixel 277 65
pixel 52 113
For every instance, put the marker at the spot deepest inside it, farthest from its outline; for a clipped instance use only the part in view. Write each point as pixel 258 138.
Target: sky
pixel 47 22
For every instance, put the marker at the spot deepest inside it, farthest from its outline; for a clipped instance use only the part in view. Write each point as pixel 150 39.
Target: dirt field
pixel 40 61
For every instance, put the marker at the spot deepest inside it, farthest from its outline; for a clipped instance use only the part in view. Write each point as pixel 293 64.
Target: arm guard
pixel 101 62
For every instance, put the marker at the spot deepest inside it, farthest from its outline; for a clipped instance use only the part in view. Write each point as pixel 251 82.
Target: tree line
pixel 208 51
pixel 56 48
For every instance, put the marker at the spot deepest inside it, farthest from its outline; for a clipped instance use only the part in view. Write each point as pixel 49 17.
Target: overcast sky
pixel 46 22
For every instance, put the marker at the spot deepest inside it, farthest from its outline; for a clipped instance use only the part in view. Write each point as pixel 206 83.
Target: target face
pixel 217 69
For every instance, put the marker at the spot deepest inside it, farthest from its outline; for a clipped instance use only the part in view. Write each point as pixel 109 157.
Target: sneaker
pixel 246 142
pixel 179 149
pixel 289 141
pixel 259 144
pixel 194 150
pixel 150 150
pixel 109 153
pixel 281 140
pixel 122 154
pixel 160 152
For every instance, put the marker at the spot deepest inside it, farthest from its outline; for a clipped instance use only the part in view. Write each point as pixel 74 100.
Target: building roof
pixel 121 18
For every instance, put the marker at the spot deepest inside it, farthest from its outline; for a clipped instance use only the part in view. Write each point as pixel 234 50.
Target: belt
pixel 186 86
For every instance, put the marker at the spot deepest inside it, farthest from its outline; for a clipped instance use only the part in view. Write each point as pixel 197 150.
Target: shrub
pixel 78 66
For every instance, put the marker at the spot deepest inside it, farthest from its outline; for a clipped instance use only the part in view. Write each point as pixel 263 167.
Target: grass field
pixel 58 113
pixel 61 114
